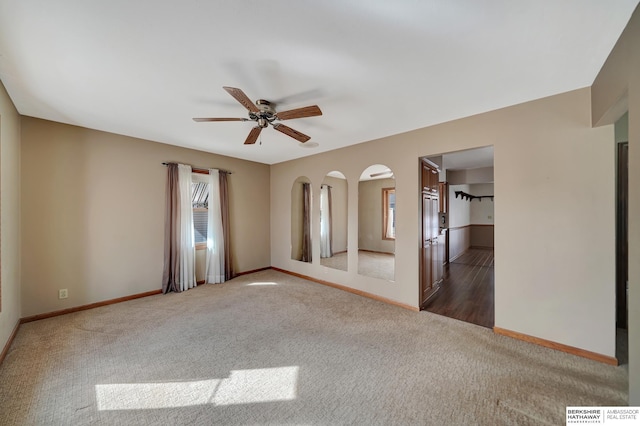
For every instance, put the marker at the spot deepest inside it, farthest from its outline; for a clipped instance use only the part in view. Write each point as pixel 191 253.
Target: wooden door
pixel 431 259
pixel 436 259
pixel 426 264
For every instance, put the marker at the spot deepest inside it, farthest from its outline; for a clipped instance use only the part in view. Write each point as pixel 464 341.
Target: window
pixel 200 202
pixel 389 213
pixel 200 225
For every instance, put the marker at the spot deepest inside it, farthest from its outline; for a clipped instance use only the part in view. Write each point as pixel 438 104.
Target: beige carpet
pixel 337 261
pixel 376 265
pixel 269 348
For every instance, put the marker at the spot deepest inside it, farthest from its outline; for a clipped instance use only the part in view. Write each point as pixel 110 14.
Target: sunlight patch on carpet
pixel 241 387
pixel 261 283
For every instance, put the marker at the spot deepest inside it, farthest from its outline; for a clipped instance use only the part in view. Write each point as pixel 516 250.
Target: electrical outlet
pixel 62 293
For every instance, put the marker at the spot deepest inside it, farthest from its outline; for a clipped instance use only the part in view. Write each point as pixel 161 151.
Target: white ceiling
pixel 468 159
pixel 144 68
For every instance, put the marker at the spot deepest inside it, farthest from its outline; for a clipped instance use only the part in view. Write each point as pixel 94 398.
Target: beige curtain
pixel 171 273
pixel 226 228
pixel 306 222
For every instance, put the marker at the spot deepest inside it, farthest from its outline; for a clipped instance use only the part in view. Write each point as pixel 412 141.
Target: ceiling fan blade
pixel 253 135
pixel 242 98
pixel 309 111
pixel 291 132
pixel 199 120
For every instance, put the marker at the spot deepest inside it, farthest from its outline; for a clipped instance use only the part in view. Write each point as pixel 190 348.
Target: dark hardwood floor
pixel 467 290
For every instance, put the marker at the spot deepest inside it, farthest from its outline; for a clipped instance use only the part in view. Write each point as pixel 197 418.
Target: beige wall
pixel 470 176
pixel 554 275
pixel 616 90
pixel 370 216
pixel 93 213
pixel 10 216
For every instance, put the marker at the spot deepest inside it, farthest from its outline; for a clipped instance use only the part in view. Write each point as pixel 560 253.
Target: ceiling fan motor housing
pixel 266 114
pixel 266 106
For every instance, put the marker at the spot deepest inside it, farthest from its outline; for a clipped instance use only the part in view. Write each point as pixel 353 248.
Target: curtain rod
pixel 202 169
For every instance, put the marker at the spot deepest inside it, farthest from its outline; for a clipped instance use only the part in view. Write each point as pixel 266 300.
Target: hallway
pixel 466 293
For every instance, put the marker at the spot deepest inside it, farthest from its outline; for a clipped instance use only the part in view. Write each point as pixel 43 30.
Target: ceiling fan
pixel 264 113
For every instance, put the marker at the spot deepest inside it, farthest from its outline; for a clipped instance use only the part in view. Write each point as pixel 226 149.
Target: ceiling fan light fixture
pixel 266 107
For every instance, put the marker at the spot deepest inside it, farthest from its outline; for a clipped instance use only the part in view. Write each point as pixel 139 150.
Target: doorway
pixel 461 284
pixel 621 130
pixel 622 255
